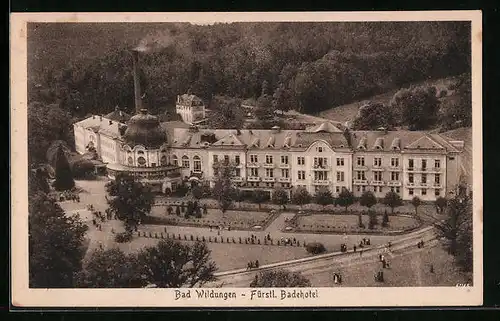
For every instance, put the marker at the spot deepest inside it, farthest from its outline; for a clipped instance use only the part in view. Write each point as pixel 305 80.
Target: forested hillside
pixel 312 66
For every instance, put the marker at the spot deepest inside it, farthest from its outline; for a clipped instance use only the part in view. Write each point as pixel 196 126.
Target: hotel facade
pixel 164 154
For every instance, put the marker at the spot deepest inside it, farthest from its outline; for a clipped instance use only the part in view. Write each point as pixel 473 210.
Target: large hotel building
pixel 411 163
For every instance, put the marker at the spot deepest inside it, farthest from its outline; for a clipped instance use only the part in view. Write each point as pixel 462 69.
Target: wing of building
pixel 163 154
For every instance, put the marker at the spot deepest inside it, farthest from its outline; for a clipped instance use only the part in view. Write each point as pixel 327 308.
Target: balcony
pixel 360 168
pixel 237 179
pixel 321 182
pixel 435 169
pixel 410 184
pixel 268 165
pixel 321 167
pixel 410 169
pixel 437 185
pixel 394 183
pixel 394 168
pixel 268 179
pixel 253 165
pixel 284 179
pixel 284 166
pixel 360 182
pixel 378 168
pixel 425 185
pixel 377 183
pixel 253 179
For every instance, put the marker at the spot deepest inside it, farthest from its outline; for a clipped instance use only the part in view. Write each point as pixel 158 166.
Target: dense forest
pixel 86 67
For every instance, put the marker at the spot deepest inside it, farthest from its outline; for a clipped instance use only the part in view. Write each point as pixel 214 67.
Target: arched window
pixel 174 160
pixel 197 164
pixel 130 161
pixel 185 161
pixel 163 160
pixel 140 152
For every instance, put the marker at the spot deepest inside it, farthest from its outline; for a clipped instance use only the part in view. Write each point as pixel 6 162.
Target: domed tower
pixel 144 147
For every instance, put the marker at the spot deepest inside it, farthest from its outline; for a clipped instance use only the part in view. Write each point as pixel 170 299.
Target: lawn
pixel 412 269
pixel 214 217
pixel 325 222
pixel 231 256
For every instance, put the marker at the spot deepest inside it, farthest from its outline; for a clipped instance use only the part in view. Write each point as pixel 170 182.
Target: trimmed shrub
pixel 123 237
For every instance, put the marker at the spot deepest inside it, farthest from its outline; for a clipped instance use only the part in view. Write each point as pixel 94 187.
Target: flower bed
pixel 333 223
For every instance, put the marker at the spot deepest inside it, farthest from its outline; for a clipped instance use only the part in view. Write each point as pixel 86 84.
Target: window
pixel 395 162
pixel 424 178
pixel 131 160
pixel 410 164
pixel 175 161
pixel 377 161
pixel 284 159
pixel 237 172
pixel 337 189
pixel 437 179
pixel 301 160
pixel 363 188
pixel 185 161
pixel 254 172
pixel 269 159
pixel 360 161
pixel 285 173
pixel 424 164
pixel 424 192
pixel 320 149
pixel 437 163
pixel 410 191
pixel 397 189
pixel 237 159
pixel 141 161
pixel 301 175
pixel 379 189
pixel 253 159
pixel 340 162
pixel 226 159
pixel 340 176
pixel 320 175
pixel 358 188
pixel 410 178
pixel 437 192
pixel 394 176
pixel 197 164
pixel 216 159
pixel 163 160
pixel 377 176
pixel 360 175
pixel 269 172
pixel 320 161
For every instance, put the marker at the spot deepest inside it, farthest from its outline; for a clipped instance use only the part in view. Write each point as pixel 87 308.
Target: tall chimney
pixel 137 84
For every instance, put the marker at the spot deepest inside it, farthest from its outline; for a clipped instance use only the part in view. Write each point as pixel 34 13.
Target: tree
pixel 283 99
pixel 264 110
pixel 259 196
pixel 197 191
pixel 130 200
pixel 456 230
pixel 38 181
pixel 418 107
pixel 385 220
pixel 368 199
pixel 416 203
pixel 225 112
pixel 301 197
pixel 392 200
pixel 223 190
pixel 373 116
pixel 64 176
pixel 280 279
pixel 441 204
pixel 110 269
pixel 323 197
pixel 373 219
pixel 171 264
pixel 55 241
pixel 457 110
pixel 280 197
pixel 345 199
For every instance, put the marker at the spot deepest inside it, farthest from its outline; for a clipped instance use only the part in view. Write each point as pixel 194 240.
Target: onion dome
pixel 145 129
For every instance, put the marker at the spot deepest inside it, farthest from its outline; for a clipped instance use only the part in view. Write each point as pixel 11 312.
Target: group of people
pixel 364 241
pixel 420 244
pixel 253 265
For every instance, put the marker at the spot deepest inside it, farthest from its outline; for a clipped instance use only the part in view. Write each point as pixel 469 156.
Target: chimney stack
pixel 137 84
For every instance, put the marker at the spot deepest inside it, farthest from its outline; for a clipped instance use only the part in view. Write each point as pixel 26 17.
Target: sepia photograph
pixel 246 160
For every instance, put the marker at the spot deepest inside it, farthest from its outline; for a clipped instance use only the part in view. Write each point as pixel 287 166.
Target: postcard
pixel 231 159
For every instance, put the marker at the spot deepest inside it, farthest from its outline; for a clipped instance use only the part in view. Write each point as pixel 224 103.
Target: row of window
pixel 423 192
pixel 377 162
pixel 377 176
pixel 437 178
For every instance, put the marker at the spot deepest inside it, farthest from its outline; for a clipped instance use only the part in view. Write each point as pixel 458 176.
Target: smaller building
pixel 191 108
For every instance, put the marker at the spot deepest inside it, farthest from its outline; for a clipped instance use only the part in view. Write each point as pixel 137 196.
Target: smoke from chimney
pixel 137 84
